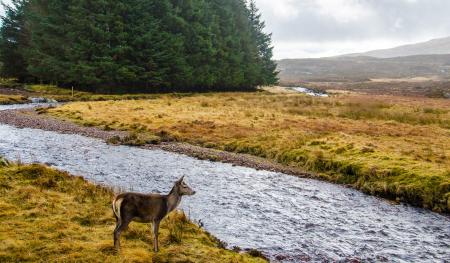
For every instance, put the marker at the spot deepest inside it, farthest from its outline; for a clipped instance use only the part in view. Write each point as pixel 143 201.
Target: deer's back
pixel 143 207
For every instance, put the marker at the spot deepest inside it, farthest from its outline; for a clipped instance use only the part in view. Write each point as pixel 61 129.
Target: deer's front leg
pixel 155 235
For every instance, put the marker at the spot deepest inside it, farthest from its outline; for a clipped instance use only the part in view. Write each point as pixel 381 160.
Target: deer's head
pixel 183 188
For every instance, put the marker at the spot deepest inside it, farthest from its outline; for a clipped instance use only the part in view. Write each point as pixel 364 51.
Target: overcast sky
pixel 317 28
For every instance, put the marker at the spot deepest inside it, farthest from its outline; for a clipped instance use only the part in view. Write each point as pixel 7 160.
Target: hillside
pixel 432 47
pixel 363 68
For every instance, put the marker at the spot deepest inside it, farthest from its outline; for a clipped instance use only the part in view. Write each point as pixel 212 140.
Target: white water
pixel 25 106
pixel 309 92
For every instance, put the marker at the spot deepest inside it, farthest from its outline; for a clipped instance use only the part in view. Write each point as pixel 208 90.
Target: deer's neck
pixel 173 200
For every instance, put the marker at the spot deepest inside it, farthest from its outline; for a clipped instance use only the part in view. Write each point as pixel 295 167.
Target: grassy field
pixel 50 216
pixel 395 147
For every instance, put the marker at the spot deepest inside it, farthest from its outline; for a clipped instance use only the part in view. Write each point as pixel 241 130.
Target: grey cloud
pixel 385 18
pixel 334 21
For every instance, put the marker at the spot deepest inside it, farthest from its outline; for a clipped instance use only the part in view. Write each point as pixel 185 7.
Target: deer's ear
pixel 181 179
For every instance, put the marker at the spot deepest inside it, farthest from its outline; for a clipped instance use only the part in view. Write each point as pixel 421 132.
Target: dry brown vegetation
pixel 417 87
pixel 396 147
pixel 50 216
pixel 65 95
pixel 12 99
pixel 12 92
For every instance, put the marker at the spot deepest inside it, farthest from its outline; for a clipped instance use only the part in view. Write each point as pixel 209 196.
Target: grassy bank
pixel 12 92
pixel 47 215
pixel 395 147
pixel 65 95
pixel 7 95
pixel 12 99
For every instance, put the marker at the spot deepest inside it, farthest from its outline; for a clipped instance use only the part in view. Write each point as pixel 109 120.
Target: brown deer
pixel 146 208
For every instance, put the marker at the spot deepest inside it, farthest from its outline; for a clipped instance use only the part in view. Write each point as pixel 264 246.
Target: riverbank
pixel 48 215
pixel 388 146
pixel 12 99
pixel 31 118
pixel 34 119
pixel 403 159
pixel 249 208
pixel 15 93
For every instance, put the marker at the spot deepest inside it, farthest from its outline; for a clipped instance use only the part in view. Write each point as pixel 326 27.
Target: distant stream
pixel 288 218
pixel 309 92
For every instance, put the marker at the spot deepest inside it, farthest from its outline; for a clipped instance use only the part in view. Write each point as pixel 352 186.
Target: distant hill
pixel 427 59
pixel 362 68
pixel 432 47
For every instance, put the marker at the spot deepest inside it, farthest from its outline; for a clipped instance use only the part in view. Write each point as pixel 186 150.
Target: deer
pixel 146 208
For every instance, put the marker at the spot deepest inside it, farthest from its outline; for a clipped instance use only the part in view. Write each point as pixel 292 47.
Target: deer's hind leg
pixel 155 235
pixel 121 225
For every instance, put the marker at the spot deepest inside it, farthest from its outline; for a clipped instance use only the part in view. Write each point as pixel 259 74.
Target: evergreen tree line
pixel 137 45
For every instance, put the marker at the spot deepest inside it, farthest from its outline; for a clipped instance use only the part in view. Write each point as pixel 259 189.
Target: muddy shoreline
pixel 30 118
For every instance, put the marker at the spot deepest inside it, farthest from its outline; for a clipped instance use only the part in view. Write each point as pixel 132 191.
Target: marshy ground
pixel 48 215
pixel 391 146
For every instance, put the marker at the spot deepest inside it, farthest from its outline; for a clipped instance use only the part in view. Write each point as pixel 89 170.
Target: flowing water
pixel 288 218
pixel 27 105
pixel 309 92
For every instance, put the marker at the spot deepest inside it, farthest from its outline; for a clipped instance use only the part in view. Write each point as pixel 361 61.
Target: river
pixel 286 217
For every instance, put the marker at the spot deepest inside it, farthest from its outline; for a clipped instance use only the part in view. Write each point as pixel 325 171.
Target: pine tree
pixel 264 43
pixel 49 45
pixel 195 20
pixel 13 41
pixel 138 45
pixel 98 43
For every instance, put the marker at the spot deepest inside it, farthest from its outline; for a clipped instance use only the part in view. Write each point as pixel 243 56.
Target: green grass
pixel 395 147
pixel 49 216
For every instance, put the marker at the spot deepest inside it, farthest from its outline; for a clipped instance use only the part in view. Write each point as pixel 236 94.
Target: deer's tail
pixel 116 204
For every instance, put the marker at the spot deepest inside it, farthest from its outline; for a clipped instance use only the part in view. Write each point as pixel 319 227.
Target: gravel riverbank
pixel 30 118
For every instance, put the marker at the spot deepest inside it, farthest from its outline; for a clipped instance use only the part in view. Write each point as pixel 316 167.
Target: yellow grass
pixel 65 94
pixel 12 99
pixel 50 216
pixel 396 147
